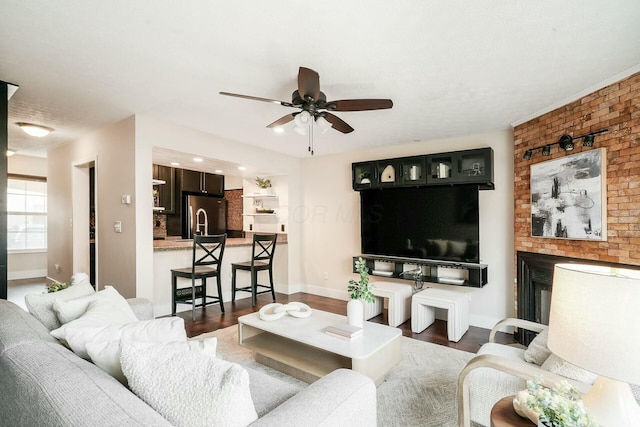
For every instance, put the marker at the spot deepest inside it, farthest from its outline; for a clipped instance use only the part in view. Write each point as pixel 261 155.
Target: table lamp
pixel 593 324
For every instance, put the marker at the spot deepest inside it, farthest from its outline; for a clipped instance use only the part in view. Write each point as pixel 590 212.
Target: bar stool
pixel 208 265
pixel 264 245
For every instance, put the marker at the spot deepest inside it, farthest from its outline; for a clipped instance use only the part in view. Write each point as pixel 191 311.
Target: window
pixel 26 213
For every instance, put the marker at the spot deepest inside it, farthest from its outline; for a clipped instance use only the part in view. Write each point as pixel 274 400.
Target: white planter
pixel 265 191
pixel 355 313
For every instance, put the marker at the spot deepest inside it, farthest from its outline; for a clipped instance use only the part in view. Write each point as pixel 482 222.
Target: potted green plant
pixel 359 292
pixel 264 184
pixel 364 178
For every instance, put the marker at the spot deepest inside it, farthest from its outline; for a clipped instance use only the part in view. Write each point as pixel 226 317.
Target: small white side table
pixel 455 302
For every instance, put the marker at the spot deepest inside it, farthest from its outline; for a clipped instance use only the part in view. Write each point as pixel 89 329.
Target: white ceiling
pixel 451 67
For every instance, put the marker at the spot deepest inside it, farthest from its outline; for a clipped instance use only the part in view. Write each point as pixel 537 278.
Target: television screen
pixel 436 223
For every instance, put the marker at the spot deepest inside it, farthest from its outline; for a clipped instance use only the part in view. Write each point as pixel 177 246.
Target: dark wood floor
pixel 211 318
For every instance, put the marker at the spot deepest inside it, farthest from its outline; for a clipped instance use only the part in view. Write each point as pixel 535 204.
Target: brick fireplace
pixel 616 108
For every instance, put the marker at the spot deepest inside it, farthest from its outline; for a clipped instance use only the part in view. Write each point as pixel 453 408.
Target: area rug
pixel 419 391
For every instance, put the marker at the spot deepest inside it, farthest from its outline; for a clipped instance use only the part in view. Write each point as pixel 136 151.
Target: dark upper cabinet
pixel 388 172
pixel 412 171
pixel 364 175
pixel 457 167
pixel 462 167
pixel 166 191
pixel 201 182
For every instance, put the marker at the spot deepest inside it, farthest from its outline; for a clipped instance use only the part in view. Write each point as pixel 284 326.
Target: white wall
pixel 330 220
pixel 26 265
pixel 112 150
pixel 151 133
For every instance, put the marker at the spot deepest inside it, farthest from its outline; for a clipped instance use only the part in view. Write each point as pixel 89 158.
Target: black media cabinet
pixel 437 271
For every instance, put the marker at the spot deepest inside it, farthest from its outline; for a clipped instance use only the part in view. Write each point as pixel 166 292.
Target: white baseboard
pixel 26 274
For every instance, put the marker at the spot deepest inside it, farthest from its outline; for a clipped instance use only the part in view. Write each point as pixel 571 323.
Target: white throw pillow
pixel 104 350
pixel 188 388
pixel 99 317
pixel 537 352
pixel 69 310
pixel 41 305
pixel 559 366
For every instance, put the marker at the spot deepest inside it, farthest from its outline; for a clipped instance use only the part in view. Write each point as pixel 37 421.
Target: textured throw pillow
pixel 104 350
pixel 100 315
pixel 41 305
pixel 188 388
pixel 559 366
pixel 69 310
pixel 537 352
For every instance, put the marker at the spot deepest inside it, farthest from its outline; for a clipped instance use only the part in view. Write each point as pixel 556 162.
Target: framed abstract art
pixel 568 197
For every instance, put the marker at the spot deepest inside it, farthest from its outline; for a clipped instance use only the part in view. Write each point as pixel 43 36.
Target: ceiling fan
pixel 313 103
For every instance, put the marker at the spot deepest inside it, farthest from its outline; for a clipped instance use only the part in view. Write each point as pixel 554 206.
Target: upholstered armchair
pixel 500 370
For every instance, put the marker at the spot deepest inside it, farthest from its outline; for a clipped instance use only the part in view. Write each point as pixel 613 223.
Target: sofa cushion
pixel 50 386
pixel 193 389
pixel 69 310
pixel 537 352
pixel 101 323
pixel 559 366
pixel 19 327
pixel 41 305
pixel 106 354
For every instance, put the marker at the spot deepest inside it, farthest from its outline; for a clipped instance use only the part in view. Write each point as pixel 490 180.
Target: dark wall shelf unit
pixel 166 191
pixel 438 271
pixel 456 167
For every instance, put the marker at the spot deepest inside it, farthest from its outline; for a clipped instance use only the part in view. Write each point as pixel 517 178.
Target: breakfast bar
pixel 171 253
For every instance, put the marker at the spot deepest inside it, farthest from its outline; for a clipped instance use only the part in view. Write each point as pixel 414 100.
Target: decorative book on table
pixel 344 330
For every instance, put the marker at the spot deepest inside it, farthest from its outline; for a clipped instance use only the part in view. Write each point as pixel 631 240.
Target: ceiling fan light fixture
pixel 302 119
pixel 34 130
pixel 323 124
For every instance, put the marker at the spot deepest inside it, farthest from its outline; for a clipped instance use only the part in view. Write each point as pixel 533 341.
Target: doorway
pixel 85 212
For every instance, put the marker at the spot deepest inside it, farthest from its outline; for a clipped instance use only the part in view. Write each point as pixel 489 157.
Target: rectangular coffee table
pixel 301 348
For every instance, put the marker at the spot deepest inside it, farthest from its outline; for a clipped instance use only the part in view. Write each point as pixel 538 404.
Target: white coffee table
pixel 301 348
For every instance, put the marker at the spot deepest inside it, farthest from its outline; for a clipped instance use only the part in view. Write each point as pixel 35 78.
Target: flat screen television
pixel 431 223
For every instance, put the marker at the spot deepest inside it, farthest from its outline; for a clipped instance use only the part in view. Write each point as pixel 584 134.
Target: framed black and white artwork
pixel 568 197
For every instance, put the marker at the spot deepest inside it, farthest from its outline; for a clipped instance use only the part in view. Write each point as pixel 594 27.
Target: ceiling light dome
pixel 34 130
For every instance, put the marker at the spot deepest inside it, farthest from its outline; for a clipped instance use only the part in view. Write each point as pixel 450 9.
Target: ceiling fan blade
pixel 337 123
pixel 359 104
pixel 308 83
pixel 255 98
pixel 282 120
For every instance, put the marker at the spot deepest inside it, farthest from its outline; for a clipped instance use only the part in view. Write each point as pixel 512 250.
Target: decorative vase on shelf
pixel 355 313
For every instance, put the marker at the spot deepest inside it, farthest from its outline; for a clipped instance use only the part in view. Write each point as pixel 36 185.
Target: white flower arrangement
pixel 556 407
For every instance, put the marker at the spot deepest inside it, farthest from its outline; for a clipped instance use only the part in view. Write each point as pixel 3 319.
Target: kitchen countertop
pixel 176 243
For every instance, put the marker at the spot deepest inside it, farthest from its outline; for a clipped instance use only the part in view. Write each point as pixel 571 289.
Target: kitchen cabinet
pixel 201 182
pixel 164 183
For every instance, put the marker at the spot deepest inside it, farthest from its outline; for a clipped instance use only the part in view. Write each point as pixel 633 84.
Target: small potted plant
pixel 560 406
pixel 360 292
pixel 364 177
pixel 264 184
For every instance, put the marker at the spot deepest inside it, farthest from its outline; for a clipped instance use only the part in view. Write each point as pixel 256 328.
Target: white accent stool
pixel 457 306
pixel 399 296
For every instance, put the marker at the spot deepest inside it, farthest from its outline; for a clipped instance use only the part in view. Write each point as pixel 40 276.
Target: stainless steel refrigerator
pixel 204 215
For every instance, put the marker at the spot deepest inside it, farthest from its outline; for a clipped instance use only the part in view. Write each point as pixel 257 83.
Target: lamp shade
pixel 594 319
